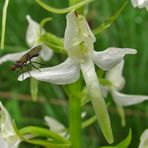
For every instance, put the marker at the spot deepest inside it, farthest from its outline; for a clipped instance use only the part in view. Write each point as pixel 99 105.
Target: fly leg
pixel 20 72
pixel 38 63
pixel 26 71
pixel 29 58
pixel 34 66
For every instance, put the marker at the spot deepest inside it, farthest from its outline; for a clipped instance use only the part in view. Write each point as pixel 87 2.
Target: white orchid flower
pixel 78 42
pixel 32 39
pixel 33 33
pixel 8 137
pixel 144 139
pixel 117 83
pixel 140 3
pixel 56 126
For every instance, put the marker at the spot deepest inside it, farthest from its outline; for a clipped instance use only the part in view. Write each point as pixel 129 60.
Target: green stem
pixel 64 10
pixel 34 89
pixel 37 131
pixel 108 22
pixel 122 115
pixel 75 121
pixel 4 16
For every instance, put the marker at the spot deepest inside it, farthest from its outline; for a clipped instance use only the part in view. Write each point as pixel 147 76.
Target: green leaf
pixel 123 144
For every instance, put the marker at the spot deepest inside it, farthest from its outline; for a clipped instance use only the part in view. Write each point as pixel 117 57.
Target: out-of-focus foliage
pixel 129 30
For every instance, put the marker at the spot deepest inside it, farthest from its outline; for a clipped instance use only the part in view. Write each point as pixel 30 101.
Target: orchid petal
pixel 78 32
pixel 104 90
pixel 127 100
pixel 140 3
pixel 3 143
pixel 7 132
pixel 55 126
pixel 144 139
pixel 111 57
pixel 6 127
pixel 137 2
pixel 115 76
pixel 46 53
pixel 65 73
pixel 12 57
pixel 33 31
pixel 97 99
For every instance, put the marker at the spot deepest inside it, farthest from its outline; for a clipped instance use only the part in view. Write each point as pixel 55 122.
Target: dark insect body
pixel 26 59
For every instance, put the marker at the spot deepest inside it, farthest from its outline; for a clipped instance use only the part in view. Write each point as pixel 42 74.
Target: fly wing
pixel 35 51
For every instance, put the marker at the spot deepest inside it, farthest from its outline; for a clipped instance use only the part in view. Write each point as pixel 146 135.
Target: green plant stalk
pixel 34 89
pixel 4 16
pixel 75 2
pixel 88 122
pixel 121 114
pixel 64 10
pixel 75 121
pixel 108 22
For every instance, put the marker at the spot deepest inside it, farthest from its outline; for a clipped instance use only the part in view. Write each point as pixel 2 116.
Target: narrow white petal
pixel 6 127
pixel 97 99
pixel 11 57
pixel 104 90
pixel 3 143
pixel 115 76
pixel 46 53
pixel 65 73
pixel 144 139
pixel 111 57
pixel 54 125
pixel 13 141
pixel 127 100
pixel 33 31
pixel 7 133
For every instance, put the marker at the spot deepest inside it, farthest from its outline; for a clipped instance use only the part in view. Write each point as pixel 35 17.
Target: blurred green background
pixel 129 30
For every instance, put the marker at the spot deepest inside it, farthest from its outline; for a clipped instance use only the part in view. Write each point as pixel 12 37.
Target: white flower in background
pixel 144 139
pixel 117 84
pixel 8 137
pixel 140 3
pixel 32 39
pixel 56 126
pixel 33 33
pixel 78 42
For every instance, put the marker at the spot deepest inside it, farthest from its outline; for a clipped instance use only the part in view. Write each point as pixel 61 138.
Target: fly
pixel 27 58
